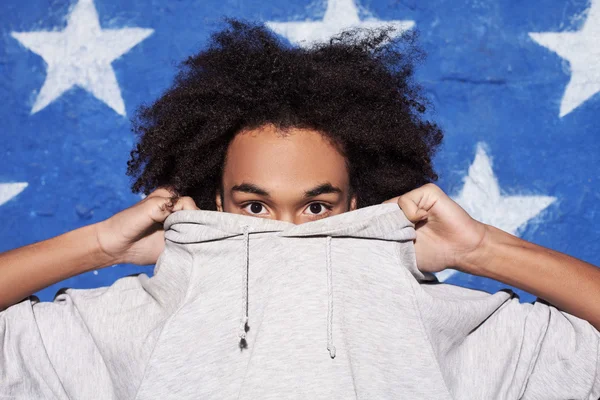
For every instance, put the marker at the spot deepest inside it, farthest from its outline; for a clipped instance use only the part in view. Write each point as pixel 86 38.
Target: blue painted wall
pixel 489 81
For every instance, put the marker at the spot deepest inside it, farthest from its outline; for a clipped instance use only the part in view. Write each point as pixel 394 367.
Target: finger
pixel 161 192
pixel 409 203
pixel 159 208
pixel 185 203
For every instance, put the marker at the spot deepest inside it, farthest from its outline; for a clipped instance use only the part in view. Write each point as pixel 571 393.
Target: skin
pixel 281 175
pixel 296 177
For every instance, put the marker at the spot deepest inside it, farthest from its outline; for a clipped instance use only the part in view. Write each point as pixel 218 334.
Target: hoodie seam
pixel 169 319
pixel 420 314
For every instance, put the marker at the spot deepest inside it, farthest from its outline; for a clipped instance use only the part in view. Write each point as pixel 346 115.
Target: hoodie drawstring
pixel 244 319
pixel 330 345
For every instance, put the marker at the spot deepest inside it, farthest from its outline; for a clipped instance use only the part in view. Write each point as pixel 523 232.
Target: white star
pixel 340 15
pixel 10 190
pixel 582 50
pixel 81 55
pixel 481 198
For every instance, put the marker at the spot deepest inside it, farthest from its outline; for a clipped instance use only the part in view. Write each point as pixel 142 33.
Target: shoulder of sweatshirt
pixel 520 350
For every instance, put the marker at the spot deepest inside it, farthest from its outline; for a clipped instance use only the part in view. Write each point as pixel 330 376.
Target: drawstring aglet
pixel 331 349
pixel 243 324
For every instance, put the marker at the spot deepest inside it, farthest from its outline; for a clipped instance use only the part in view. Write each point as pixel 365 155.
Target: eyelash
pixel 313 216
pixel 327 207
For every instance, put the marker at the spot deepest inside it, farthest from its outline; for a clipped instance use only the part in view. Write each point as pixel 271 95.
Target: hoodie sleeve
pixel 86 344
pixel 492 346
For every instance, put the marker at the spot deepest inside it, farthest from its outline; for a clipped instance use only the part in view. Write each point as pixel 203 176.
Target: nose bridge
pixel 288 216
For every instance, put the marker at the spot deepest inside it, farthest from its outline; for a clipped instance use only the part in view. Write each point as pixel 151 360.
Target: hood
pixel 379 222
pixel 382 221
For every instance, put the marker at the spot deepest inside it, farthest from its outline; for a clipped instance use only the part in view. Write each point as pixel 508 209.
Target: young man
pixel 257 128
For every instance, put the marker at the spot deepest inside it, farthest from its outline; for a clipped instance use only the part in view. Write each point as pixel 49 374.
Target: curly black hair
pixel 357 90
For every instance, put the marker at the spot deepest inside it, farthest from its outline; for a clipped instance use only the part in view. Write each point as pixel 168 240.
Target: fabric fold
pixel 242 307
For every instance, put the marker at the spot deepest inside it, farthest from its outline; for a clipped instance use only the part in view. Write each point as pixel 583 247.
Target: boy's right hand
pixel 135 235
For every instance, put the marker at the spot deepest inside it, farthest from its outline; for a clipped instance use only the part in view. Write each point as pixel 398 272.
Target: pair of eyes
pixel 313 209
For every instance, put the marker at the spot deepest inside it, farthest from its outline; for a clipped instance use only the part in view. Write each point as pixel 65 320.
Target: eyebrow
pixel 250 188
pixel 322 189
pixel 316 191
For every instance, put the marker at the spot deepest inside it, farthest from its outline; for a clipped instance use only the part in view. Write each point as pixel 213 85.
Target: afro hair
pixel 357 90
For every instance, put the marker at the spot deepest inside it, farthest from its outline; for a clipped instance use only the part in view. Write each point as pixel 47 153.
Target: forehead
pixel 292 159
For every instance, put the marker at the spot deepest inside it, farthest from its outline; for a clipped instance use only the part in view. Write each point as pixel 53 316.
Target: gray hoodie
pixel 248 308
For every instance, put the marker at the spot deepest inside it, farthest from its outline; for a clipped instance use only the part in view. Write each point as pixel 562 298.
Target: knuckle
pixel 190 201
pixel 163 203
pixel 433 187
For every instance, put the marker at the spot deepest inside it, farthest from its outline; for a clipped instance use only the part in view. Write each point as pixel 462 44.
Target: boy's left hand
pixel 447 236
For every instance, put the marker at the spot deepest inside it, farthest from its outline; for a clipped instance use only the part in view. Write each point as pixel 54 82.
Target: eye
pixel 318 209
pixel 255 208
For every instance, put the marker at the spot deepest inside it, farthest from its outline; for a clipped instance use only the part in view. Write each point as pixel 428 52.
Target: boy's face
pixel 297 178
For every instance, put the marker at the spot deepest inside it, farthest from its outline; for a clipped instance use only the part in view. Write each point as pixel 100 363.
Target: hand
pixel 447 237
pixel 136 235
